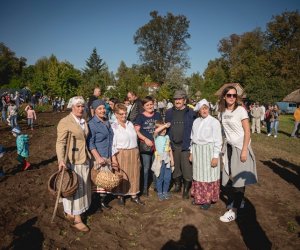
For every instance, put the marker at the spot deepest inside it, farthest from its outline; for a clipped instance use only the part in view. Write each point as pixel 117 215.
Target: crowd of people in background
pixel 173 145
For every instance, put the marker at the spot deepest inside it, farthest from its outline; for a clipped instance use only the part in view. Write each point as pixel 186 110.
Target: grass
pixel 284 147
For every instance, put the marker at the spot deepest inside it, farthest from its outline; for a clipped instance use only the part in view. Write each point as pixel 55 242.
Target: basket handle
pixel 62 176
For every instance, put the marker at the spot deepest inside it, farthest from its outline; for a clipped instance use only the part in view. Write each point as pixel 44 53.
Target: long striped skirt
pixel 130 165
pixel 81 200
pixel 206 179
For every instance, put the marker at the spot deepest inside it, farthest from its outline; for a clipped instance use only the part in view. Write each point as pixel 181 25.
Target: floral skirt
pixel 205 192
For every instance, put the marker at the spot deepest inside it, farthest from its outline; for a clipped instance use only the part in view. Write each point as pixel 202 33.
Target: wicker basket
pixel 105 178
pixel 69 184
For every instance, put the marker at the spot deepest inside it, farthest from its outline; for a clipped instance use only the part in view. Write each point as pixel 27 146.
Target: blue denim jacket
pixel 100 137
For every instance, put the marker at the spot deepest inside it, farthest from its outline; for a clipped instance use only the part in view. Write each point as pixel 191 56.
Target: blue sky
pixel 71 29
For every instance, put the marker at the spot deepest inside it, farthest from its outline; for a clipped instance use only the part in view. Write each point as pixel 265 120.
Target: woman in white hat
pixel 206 146
pixel 78 160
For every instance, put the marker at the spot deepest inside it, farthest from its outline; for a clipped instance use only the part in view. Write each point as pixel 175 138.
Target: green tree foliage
pixel 94 64
pixel 11 67
pixel 215 77
pixel 196 85
pixel 96 73
pixel 129 79
pixel 283 35
pixel 266 64
pixel 162 44
pixel 53 78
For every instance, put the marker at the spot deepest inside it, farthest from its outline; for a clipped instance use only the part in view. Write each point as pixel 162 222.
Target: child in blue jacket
pixel 22 147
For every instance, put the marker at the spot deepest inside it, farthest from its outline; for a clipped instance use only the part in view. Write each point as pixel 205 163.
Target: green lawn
pixel 283 146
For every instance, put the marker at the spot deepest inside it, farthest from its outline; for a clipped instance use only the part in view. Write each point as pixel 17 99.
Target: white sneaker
pixel 275 136
pixel 269 134
pixel 228 216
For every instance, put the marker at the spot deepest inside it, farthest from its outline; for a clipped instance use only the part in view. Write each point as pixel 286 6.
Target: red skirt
pixel 205 192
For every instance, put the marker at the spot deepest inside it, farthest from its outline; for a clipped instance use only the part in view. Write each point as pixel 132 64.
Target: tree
pixel 95 64
pixel 196 83
pixel 95 73
pixel 175 79
pixel 214 78
pixel 129 78
pixel 283 35
pixel 11 67
pixel 162 44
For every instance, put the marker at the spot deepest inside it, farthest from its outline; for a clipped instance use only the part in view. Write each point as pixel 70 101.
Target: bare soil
pixel 270 219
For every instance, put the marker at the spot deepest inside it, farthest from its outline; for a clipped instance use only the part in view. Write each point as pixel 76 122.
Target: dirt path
pixel 270 219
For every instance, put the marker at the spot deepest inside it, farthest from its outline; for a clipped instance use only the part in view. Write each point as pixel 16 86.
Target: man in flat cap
pixel 181 118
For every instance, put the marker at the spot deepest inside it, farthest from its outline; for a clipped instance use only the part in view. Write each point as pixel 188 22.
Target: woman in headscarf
pixel 127 156
pixel 99 142
pixel 206 146
pixel 78 160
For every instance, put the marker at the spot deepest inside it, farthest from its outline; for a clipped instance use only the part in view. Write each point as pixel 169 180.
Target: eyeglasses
pixel 231 95
pixel 122 113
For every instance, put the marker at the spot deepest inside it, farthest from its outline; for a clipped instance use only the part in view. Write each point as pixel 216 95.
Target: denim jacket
pixel 100 137
pixel 189 117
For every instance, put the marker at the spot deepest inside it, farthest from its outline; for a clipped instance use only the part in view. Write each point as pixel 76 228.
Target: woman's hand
pixel 115 164
pixel 148 142
pixel 172 162
pixel 191 158
pixel 214 162
pixel 243 156
pixel 61 166
pixel 100 162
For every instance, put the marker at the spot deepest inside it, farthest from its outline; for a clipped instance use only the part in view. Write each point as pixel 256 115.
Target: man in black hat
pixel 181 118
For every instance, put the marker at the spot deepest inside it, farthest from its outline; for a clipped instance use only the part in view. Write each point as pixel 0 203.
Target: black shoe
pixel 205 206
pixel 177 184
pixel 121 201
pixel 145 193
pixel 137 200
pixel 104 203
pixel 186 189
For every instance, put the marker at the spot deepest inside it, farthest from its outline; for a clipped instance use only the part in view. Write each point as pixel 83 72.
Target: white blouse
pixel 124 138
pixel 207 130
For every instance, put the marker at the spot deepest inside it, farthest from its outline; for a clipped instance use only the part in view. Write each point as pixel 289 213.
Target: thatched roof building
pixel 239 88
pixel 293 97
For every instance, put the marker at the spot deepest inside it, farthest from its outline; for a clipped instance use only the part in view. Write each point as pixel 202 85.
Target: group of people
pixel 262 116
pixel 10 107
pixel 183 149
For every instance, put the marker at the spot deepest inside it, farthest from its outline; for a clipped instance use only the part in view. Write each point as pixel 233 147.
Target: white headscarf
pixel 75 100
pixel 200 104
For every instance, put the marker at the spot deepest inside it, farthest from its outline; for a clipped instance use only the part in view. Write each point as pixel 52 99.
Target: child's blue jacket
pixel 23 145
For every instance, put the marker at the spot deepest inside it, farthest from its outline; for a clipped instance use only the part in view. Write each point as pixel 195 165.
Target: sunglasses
pixel 231 95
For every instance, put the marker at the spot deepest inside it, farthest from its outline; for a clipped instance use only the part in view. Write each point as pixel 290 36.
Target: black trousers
pixel 235 194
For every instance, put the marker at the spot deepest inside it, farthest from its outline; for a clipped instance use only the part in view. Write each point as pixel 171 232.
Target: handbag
pixel 144 148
